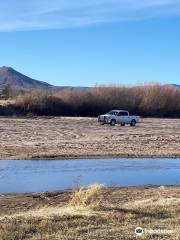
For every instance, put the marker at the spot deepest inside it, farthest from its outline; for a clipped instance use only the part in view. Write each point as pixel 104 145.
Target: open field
pixel 104 213
pixel 23 138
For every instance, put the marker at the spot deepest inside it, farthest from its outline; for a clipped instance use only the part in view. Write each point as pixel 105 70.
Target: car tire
pixel 133 123
pixel 113 122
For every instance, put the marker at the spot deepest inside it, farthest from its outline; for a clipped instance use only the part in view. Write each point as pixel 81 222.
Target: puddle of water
pixel 50 175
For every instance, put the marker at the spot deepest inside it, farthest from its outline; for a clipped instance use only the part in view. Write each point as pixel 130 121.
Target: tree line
pixel 149 101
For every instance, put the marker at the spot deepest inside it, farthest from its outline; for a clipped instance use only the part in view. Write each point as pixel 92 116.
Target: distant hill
pixel 17 80
pixel 178 86
pixel 9 76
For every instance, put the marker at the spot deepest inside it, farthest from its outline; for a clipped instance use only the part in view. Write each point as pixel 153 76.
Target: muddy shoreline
pixel 13 202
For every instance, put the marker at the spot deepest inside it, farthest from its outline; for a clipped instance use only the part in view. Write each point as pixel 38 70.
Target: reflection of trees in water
pixel 3 167
pixel 1 172
pixel 78 181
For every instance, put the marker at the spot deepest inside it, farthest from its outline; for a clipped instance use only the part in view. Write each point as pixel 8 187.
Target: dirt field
pixel 110 214
pixel 84 137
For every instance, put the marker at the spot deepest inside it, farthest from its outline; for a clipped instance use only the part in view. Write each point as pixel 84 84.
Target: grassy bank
pixel 93 213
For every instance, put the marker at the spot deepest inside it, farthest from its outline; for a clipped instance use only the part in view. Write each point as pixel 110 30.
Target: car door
pixel 120 118
pixel 126 118
pixel 115 113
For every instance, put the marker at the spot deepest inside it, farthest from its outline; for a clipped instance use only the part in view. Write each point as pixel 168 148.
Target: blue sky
pixel 83 43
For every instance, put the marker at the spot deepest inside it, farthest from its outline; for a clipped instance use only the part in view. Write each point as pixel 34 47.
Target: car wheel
pixel 113 122
pixel 133 123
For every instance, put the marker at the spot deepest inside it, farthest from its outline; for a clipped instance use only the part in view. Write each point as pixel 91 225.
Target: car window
pixel 113 113
pixel 110 113
pixel 123 114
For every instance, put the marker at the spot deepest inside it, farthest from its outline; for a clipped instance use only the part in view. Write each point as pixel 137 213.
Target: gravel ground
pixel 49 138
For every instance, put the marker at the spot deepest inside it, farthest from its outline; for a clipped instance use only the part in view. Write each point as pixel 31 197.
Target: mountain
pixel 9 76
pixel 178 86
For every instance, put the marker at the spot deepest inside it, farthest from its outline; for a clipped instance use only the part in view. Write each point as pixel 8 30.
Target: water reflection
pixel 50 175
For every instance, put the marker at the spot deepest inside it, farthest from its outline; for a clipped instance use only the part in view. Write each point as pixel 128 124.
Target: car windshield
pixel 112 113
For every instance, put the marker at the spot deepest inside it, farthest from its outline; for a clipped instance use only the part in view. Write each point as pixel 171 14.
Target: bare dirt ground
pixel 111 213
pixel 50 138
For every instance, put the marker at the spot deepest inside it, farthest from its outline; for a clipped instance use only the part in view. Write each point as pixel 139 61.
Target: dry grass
pixel 122 210
pixel 82 202
pixel 6 102
pixel 150 100
pixel 86 197
pixel 48 138
pixel 51 212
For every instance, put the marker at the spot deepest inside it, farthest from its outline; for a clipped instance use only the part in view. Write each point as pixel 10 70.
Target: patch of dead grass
pixel 86 197
pixel 110 221
pixel 6 102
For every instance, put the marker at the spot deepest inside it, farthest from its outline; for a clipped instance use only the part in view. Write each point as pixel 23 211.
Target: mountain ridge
pixel 17 80
pixel 176 85
pixel 9 76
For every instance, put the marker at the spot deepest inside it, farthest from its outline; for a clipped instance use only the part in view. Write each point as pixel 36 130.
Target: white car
pixel 118 117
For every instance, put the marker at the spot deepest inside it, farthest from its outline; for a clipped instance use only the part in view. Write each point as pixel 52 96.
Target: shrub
pixel 153 100
pixel 86 196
